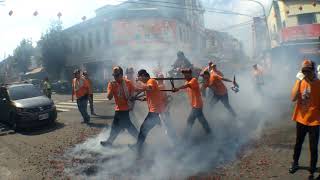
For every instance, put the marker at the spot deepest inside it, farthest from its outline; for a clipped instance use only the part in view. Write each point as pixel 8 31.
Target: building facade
pixel 136 34
pixel 294 26
pixel 260 39
pixel 292 20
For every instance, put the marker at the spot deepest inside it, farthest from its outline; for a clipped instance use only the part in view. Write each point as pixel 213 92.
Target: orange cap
pixel 307 64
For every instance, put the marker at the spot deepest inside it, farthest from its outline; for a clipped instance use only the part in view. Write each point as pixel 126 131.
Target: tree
pixel 22 55
pixel 53 47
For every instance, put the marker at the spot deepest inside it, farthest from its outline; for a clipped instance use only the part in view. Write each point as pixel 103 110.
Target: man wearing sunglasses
pixel 306 114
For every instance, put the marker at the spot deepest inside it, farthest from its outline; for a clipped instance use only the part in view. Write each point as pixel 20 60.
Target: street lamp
pixel 265 17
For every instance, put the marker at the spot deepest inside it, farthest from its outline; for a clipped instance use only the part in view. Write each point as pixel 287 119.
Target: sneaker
pixel 294 168
pixel 93 113
pixel 105 143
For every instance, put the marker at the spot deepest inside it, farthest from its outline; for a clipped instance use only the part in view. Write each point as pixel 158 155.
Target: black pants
pixel 313 131
pixel 225 101
pixel 196 113
pixel 150 122
pixel 82 103
pixel 91 103
pixel 121 121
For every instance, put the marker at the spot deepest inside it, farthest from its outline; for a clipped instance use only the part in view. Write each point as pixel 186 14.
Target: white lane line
pixel 65 106
pixel 99 99
pixel 68 103
pixel 62 110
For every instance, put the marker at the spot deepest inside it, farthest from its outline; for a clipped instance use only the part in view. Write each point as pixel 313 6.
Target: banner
pixel 308 31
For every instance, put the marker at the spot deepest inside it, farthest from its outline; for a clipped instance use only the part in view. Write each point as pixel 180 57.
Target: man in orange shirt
pixel 80 89
pixel 258 77
pixel 155 105
pixel 122 90
pixel 86 76
pixel 220 92
pixel 194 93
pixel 306 114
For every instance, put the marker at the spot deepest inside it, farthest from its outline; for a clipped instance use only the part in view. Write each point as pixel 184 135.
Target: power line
pixel 237 25
pixel 207 8
pixel 185 7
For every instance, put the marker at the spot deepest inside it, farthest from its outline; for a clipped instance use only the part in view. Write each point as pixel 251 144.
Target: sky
pixel 220 21
pixel 22 23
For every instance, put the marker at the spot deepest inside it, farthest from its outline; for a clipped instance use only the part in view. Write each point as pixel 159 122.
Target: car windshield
pixel 24 92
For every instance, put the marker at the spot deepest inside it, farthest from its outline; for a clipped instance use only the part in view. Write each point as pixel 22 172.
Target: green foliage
pixel 22 55
pixel 53 49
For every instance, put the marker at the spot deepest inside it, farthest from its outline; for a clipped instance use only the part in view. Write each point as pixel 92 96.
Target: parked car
pixel 24 106
pixel 35 82
pixel 62 87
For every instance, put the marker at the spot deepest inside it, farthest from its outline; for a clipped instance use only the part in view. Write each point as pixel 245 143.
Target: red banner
pixel 308 31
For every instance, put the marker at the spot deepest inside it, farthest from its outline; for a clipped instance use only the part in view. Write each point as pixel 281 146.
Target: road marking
pixel 99 99
pixel 65 106
pixel 68 103
pixel 62 110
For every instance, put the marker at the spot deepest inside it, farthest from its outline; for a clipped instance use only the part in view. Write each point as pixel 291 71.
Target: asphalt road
pixel 32 154
pixel 26 154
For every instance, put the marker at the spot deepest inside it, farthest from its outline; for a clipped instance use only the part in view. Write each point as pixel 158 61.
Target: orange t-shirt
pixel 80 87
pixel 118 93
pixel 194 93
pixel 217 85
pixel 258 76
pixel 307 109
pixel 217 72
pixel 154 100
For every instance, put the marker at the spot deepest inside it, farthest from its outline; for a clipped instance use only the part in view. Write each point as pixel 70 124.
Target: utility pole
pixel 265 19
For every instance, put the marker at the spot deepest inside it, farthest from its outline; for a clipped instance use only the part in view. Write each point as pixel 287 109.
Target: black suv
pixel 24 106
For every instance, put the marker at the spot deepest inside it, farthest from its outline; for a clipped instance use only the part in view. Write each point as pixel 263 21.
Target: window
pixel 137 37
pixel 24 92
pixel 106 36
pixel 90 40
pixel 78 48
pixel 75 45
pixel 309 18
pixel 180 34
pixel 83 44
pixel 98 40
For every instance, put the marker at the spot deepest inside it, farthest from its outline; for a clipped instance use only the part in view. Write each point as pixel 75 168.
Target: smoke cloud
pixel 164 159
